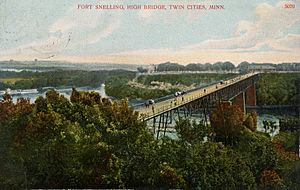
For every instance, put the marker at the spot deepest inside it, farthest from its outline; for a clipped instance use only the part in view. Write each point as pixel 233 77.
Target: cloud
pixel 290 42
pixel 266 38
pixel 107 31
pixel 269 29
pixel 77 28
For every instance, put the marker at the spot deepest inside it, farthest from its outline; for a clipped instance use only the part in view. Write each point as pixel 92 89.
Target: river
pixel 66 92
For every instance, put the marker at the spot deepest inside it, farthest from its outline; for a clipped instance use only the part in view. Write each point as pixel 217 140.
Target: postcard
pixel 149 94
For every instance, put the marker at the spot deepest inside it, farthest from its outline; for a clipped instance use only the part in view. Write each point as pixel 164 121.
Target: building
pixel 151 68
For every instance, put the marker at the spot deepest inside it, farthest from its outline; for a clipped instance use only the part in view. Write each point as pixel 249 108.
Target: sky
pixel 253 31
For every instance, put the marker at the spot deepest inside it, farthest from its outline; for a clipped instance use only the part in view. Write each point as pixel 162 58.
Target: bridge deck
pixel 175 102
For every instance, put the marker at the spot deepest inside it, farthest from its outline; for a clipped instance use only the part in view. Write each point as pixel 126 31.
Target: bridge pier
pixel 247 97
pixel 251 95
pixel 240 101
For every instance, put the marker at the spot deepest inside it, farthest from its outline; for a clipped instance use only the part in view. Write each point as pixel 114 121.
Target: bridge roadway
pixel 146 113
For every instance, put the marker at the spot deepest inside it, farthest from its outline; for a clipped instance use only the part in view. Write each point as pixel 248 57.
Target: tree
pixel 251 121
pixel 92 142
pixel 192 132
pixel 270 179
pixel 195 67
pixel 169 178
pixel 243 67
pixel 258 151
pixel 12 117
pixel 47 134
pixel 168 66
pixel 224 66
pixel 142 70
pixel 228 66
pixel 227 122
pixel 212 165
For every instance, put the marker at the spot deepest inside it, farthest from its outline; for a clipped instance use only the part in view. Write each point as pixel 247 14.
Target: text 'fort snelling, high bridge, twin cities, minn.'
pixel 151 6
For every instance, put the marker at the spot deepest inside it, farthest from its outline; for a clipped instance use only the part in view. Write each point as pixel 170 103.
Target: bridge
pixel 239 90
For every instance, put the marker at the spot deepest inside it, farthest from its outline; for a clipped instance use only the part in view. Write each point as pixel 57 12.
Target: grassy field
pixel 12 80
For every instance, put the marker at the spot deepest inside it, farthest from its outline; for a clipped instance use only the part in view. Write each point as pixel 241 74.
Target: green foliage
pixel 208 164
pixel 170 178
pixel 192 132
pixel 93 142
pixel 11 116
pixel 59 78
pixel 270 179
pixel 289 124
pixel 255 149
pixel 258 151
pixel 243 67
pixel 251 121
pixel 290 172
pixel 213 165
pixel 289 140
pixel 168 66
pixel 227 66
pixel 277 89
pixel 81 138
pixel 118 87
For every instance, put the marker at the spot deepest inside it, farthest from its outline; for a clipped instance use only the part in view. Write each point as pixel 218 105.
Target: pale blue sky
pixel 261 31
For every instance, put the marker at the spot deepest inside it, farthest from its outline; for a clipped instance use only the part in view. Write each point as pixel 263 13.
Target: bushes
pixel 290 124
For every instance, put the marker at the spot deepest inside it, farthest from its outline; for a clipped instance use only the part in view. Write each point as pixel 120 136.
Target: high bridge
pixel 239 90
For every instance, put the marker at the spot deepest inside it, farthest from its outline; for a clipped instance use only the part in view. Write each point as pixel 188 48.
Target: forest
pixel 58 78
pixel 278 89
pixel 93 142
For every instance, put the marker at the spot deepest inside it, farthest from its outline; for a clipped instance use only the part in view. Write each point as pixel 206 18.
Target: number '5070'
pixel 289 6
